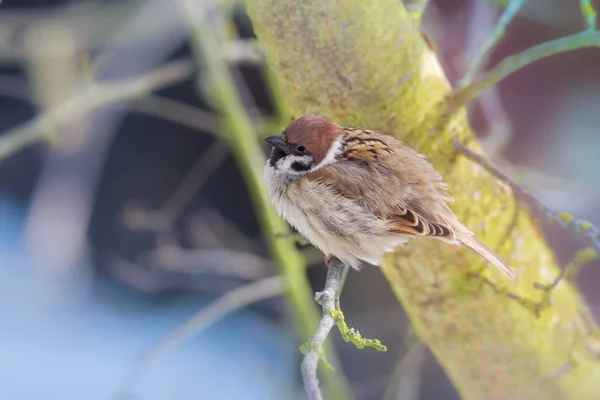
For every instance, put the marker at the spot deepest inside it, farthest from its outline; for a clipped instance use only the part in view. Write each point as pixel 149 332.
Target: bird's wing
pixel 375 188
pixel 409 222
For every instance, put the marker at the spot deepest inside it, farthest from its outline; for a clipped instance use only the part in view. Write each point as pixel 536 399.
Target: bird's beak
pixel 277 141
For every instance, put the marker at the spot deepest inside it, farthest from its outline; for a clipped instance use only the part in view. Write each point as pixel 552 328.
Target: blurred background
pixel 133 217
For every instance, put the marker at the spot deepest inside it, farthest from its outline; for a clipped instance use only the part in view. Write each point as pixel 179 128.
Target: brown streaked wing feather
pixel 404 220
pixel 362 146
pixel 409 222
pixel 360 177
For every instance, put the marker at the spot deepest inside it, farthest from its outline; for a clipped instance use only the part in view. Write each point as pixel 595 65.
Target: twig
pixel 464 94
pixel 101 95
pixel 314 349
pixel 193 181
pixel 138 218
pixel 581 227
pixel 589 14
pixel 177 112
pixel 535 307
pixel 497 3
pixel 581 259
pixel 222 262
pixel 225 305
pixel 483 54
pixel 149 279
pixel 329 299
pixel 499 125
pixel 209 229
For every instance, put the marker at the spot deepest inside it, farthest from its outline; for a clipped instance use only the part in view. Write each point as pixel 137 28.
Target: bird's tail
pixel 470 241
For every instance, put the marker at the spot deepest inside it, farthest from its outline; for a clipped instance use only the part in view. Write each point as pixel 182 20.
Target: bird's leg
pixel 329 262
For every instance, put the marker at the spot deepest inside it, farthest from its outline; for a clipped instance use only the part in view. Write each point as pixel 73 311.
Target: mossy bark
pixel 366 64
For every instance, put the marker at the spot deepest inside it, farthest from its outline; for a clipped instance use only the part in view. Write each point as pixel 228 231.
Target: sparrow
pixel 358 194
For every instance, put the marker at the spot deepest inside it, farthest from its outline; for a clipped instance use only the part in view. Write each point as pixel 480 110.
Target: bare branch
pixel 228 303
pixel 192 183
pixel 329 299
pixel 481 21
pixel 223 262
pixel 177 112
pixel 101 95
pixel 581 227
pixel 483 54
pixel 589 14
pixel 464 94
pixel 314 348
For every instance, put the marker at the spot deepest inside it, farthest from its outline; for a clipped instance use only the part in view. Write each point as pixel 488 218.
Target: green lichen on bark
pixel 366 64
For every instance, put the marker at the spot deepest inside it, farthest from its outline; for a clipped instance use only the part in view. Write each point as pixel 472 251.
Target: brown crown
pixel 315 132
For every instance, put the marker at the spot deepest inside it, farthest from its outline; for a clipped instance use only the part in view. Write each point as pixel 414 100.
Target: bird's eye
pixel 300 149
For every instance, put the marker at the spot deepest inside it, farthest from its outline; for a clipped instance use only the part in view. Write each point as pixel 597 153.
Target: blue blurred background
pixel 91 275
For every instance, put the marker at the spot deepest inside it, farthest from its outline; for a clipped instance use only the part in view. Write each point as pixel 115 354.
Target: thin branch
pixel 150 279
pixel 483 54
pixel 499 125
pixel 329 299
pixel 101 95
pixel 192 183
pixel 581 259
pixel 536 307
pixel 581 227
pixel 496 3
pixel 314 349
pixel 177 112
pixel 210 230
pixel 225 305
pixel 138 218
pixel 464 94
pixel 589 14
pixel 220 262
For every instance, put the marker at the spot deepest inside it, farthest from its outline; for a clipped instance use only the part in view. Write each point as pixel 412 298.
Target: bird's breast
pixel 335 224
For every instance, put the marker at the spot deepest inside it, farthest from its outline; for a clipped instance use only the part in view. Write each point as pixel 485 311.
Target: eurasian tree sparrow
pixel 358 194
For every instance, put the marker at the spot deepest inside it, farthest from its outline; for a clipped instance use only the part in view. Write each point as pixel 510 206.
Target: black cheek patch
pixel 300 167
